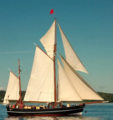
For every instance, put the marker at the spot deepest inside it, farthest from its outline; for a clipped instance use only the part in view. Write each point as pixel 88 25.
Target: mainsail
pixel 12 92
pixel 70 54
pixel 85 91
pixel 41 83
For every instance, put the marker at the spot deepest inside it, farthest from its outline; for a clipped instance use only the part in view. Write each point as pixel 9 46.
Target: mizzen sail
pixel 12 92
pixel 70 54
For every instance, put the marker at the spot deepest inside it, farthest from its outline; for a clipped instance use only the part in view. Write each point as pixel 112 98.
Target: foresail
pixel 85 91
pixel 66 90
pixel 70 54
pixel 12 92
pixel 41 82
pixel 48 40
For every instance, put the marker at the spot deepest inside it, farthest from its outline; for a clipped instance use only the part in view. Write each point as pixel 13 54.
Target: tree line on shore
pixel 106 96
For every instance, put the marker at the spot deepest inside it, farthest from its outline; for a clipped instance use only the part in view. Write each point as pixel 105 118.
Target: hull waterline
pixel 75 110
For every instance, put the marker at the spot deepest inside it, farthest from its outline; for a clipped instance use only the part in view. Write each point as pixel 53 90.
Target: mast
pixel 55 96
pixel 20 99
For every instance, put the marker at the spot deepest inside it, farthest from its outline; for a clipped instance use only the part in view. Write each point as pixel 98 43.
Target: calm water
pixel 94 112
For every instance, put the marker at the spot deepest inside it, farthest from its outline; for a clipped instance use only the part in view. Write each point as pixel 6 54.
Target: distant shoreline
pixel 105 96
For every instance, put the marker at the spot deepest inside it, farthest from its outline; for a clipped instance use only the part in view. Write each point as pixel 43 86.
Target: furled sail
pixel 85 91
pixel 12 92
pixel 41 83
pixel 48 40
pixel 66 90
pixel 71 56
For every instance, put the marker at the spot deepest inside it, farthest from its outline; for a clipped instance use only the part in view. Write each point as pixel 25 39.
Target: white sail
pixel 66 90
pixel 5 102
pixel 71 56
pixel 48 40
pixel 83 88
pixel 41 83
pixel 12 92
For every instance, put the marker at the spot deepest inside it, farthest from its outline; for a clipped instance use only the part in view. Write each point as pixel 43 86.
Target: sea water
pixel 91 112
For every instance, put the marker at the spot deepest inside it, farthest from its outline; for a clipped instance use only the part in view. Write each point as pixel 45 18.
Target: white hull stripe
pixel 44 111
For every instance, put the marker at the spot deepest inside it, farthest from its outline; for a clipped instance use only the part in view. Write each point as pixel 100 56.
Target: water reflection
pixel 54 118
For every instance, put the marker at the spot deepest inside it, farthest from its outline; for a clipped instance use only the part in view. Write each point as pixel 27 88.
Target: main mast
pixel 20 99
pixel 55 95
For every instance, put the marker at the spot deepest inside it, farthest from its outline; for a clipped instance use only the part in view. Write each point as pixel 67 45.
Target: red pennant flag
pixel 51 11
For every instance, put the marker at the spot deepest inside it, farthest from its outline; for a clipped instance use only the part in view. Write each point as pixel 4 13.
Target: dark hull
pixel 75 110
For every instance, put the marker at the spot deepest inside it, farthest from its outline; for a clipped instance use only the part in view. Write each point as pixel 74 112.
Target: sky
pixel 88 25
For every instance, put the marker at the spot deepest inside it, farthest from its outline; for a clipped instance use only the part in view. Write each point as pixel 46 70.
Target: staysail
pixel 70 54
pixel 12 92
pixel 66 90
pixel 41 83
pixel 48 40
pixel 85 91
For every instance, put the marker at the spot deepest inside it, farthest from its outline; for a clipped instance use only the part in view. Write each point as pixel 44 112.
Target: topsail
pixel 48 40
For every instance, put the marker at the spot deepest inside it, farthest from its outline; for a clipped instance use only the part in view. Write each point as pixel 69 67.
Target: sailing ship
pixel 42 86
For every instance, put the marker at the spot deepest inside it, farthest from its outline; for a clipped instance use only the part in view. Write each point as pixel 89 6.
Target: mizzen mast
pixel 20 98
